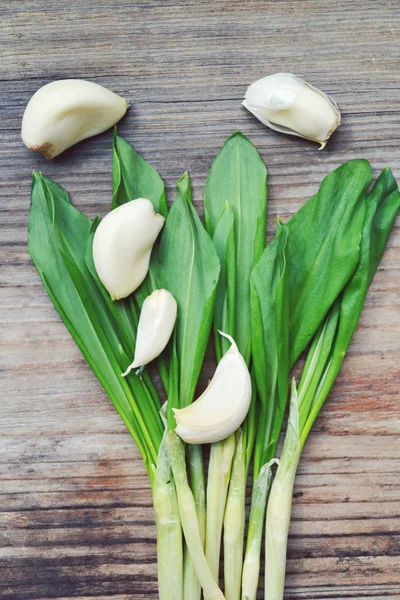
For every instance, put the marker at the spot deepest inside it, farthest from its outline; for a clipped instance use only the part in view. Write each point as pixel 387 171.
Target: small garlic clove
pixel 122 246
pixel 288 104
pixel 64 112
pixel 222 408
pixel 156 323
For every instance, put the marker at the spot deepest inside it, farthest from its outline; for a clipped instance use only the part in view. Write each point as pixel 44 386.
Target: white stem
pixel 189 520
pixel 251 565
pixel 219 471
pixel 280 506
pixel 191 585
pixel 169 531
pixel 234 522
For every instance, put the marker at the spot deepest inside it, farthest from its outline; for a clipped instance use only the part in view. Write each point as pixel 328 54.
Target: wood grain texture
pixel 76 517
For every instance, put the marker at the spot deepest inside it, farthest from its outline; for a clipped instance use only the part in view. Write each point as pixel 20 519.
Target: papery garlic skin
pixel 122 246
pixel 156 324
pixel 222 408
pixel 64 112
pixel 290 105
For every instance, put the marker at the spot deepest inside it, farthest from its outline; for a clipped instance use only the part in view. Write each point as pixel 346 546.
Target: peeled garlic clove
pixel 62 113
pixel 122 246
pixel 222 408
pixel 290 105
pixel 156 323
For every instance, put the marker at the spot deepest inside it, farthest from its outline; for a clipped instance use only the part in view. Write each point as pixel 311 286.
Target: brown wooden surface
pixel 76 518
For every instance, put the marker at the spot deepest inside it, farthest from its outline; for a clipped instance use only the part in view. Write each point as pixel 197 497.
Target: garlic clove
pixel 288 104
pixel 122 246
pixel 62 113
pixel 222 407
pixel 156 323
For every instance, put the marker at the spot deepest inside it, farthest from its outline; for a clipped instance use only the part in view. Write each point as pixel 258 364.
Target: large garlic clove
pixel 62 113
pixel 290 105
pixel 122 246
pixel 156 323
pixel 222 408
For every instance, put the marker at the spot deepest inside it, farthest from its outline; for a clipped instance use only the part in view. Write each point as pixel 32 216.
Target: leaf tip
pixel 237 135
pixel 184 176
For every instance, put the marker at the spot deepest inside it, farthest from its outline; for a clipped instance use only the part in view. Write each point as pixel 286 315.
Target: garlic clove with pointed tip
pixel 288 104
pixel 222 407
pixel 156 324
pixel 122 246
pixel 64 112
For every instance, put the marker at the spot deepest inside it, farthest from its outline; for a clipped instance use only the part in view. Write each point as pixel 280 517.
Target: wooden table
pixel 76 515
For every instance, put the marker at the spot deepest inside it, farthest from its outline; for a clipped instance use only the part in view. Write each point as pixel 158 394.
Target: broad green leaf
pixel 225 305
pixel 388 206
pixel 238 176
pixel 58 235
pixel 133 177
pixel 382 207
pixel 270 338
pixel 104 314
pixel 324 250
pixel 189 269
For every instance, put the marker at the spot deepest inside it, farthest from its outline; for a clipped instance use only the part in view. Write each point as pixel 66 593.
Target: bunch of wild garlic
pixel 149 284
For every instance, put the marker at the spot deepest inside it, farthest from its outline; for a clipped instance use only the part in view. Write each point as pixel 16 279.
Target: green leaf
pixel 324 249
pixel 382 207
pixel 239 176
pixel 388 206
pixel 57 242
pixel 133 177
pixel 189 269
pixel 270 335
pixel 225 305
pixel 77 251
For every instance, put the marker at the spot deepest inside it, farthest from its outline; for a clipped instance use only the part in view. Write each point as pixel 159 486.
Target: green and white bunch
pixel 147 283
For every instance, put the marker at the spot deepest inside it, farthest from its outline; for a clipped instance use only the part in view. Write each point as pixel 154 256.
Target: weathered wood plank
pixel 75 507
